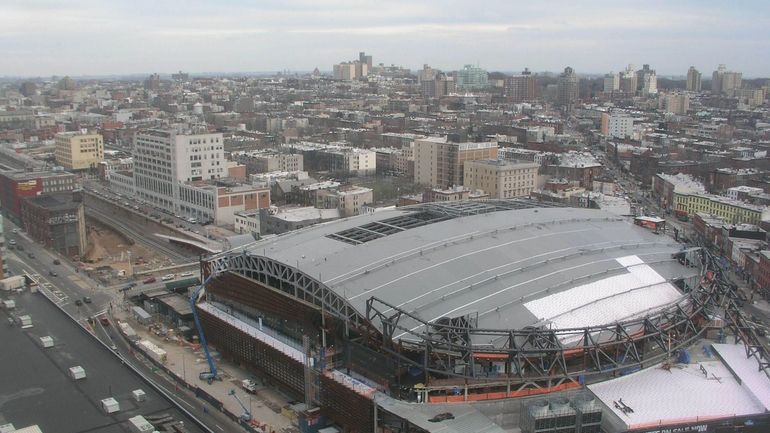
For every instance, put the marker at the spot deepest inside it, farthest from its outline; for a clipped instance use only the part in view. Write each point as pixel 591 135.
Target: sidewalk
pixel 186 362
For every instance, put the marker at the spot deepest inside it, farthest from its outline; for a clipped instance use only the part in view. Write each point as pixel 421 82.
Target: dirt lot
pixel 109 248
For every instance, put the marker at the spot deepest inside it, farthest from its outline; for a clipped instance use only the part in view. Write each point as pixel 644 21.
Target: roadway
pixel 69 286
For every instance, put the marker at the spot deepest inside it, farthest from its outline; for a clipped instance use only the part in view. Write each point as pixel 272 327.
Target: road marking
pixel 219 427
pixel 185 402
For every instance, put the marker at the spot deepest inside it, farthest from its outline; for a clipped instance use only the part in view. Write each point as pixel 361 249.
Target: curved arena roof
pixel 501 264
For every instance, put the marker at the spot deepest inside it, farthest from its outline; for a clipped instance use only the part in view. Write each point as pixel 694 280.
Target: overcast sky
pixel 95 37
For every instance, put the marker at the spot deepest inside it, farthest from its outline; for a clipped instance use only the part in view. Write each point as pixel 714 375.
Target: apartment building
pixel 266 162
pixel 440 164
pixel 76 151
pixel 501 178
pixel 349 200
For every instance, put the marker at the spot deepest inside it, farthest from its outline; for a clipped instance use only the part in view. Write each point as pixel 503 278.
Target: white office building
pixel 163 159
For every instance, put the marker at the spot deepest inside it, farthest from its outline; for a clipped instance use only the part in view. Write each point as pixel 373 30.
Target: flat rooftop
pixel 442 260
pixel 731 386
pixel 40 391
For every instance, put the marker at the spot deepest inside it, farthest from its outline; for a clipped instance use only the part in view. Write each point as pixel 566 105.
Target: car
pixel 78 302
pixel 31 255
pixel 56 262
pixel 53 273
pixel 186 274
pixel 14 231
pixel 104 320
pixel 150 280
pixel 87 299
pixel 12 242
pixel 168 277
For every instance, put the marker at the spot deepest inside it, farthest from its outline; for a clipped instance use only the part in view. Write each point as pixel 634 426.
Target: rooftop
pixel 730 387
pixel 683 183
pixel 490 258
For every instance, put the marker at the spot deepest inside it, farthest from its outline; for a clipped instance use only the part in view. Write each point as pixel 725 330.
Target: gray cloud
pixel 102 37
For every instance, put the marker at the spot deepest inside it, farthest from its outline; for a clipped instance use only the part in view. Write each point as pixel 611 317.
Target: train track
pixel 139 235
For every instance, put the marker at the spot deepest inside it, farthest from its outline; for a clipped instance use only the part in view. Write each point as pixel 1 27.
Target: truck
pixel 12 283
pixel 249 386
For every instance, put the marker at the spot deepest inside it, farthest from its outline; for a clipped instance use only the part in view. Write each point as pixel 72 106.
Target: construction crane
pixel 212 374
pixel 246 417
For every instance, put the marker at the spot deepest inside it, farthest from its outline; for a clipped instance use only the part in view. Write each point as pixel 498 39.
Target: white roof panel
pixel 607 300
pixel 747 370
pixel 683 394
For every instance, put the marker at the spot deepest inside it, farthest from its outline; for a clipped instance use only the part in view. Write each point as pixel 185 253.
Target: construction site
pixel 490 316
pixel 110 256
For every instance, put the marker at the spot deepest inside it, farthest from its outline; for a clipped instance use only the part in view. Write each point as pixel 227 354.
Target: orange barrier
pixel 501 395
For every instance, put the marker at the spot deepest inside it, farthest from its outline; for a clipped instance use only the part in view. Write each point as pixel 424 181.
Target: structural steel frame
pixel 533 353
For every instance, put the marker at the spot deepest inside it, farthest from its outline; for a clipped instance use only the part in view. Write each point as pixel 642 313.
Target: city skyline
pixel 88 37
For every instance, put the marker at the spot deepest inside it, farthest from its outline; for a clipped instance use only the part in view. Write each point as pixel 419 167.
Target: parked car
pixel 168 277
pixel 150 280
pixel 78 302
pixel 12 242
pixel 104 320
pixel 53 273
pixel 87 299
pixel 30 255
pixel 56 262
pixel 186 274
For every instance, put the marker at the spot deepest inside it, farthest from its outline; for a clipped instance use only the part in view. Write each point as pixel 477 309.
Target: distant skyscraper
pixel 152 82
pixel 367 60
pixel 611 83
pixel 567 88
pixel 521 87
pixel 725 82
pixel 344 71
pixel 647 81
pixel 427 73
pixel 628 80
pixel 471 78
pixel 693 79
pixel 66 83
pixel 440 85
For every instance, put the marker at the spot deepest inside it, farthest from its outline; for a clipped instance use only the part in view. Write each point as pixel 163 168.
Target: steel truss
pixel 534 354
pixel 290 281
pixel 531 354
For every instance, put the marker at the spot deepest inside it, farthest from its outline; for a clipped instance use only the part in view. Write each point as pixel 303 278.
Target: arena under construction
pixel 464 316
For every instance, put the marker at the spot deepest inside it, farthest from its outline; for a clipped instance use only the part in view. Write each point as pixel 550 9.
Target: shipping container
pixel 14 282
